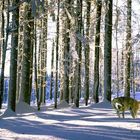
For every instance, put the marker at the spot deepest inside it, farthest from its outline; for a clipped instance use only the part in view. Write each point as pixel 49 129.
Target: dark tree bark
pixel 13 60
pixel 31 56
pixel 117 53
pixel 35 66
pixel 44 50
pixel 107 50
pixel 78 49
pixel 122 69
pixel 97 49
pixel 66 49
pixel 1 28
pixel 128 51
pixel 2 49
pixel 27 47
pixel 87 52
pixel 57 49
pixel 20 51
pixel 52 72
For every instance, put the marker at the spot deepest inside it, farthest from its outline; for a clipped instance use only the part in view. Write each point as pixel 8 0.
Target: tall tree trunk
pixel 43 54
pixel 20 51
pixel 45 31
pixel 122 69
pixel 107 50
pixel 78 49
pixel 52 72
pixel 35 66
pixel 39 67
pixel 13 60
pixel 31 62
pixel 87 52
pixel 57 49
pixel 4 48
pixel 1 29
pixel 66 45
pixel 31 55
pixel 133 76
pixel 27 47
pixel 128 50
pixel 31 58
pixel 97 49
pixel 117 50
pixel 42 63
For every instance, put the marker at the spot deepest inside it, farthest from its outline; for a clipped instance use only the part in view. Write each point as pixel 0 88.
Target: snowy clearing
pixel 95 122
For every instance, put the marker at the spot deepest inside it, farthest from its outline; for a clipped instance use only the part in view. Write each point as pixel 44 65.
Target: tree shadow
pixel 69 131
pixel 72 124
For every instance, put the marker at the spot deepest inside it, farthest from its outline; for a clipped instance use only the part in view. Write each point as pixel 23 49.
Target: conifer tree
pixel 97 49
pixel 128 51
pixel 5 34
pixel 108 50
pixel 27 48
pixel 87 51
pixel 79 6
pixel 13 60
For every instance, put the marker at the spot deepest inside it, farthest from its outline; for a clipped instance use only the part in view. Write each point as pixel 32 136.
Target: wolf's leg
pixel 123 114
pixel 118 113
pixel 133 113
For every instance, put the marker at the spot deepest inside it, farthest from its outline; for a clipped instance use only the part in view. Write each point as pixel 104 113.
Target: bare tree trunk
pixel 1 29
pixel 39 97
pixel 40 69
pixel 13 60
pixel 78 49
pixel 87 52
pixel 27 47
pixel 108 51
pixel 35 66
pixel 66 47
pixel 57 49
pixel 122 69
pixel 45 32
pixel 133 76
pixel 97 49
pixel 4 48
pixel 31 59
pixel 52 71
pixel 128 51
pixel 117 53
pixel 20 51
pixel 42 64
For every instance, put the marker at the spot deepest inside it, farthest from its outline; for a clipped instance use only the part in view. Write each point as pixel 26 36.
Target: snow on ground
pixel 94 122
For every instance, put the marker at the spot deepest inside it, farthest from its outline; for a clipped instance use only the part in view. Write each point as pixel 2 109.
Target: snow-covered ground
pixel 94 122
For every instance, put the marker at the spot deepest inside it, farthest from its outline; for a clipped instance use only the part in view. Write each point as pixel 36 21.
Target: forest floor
pixel 94 122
